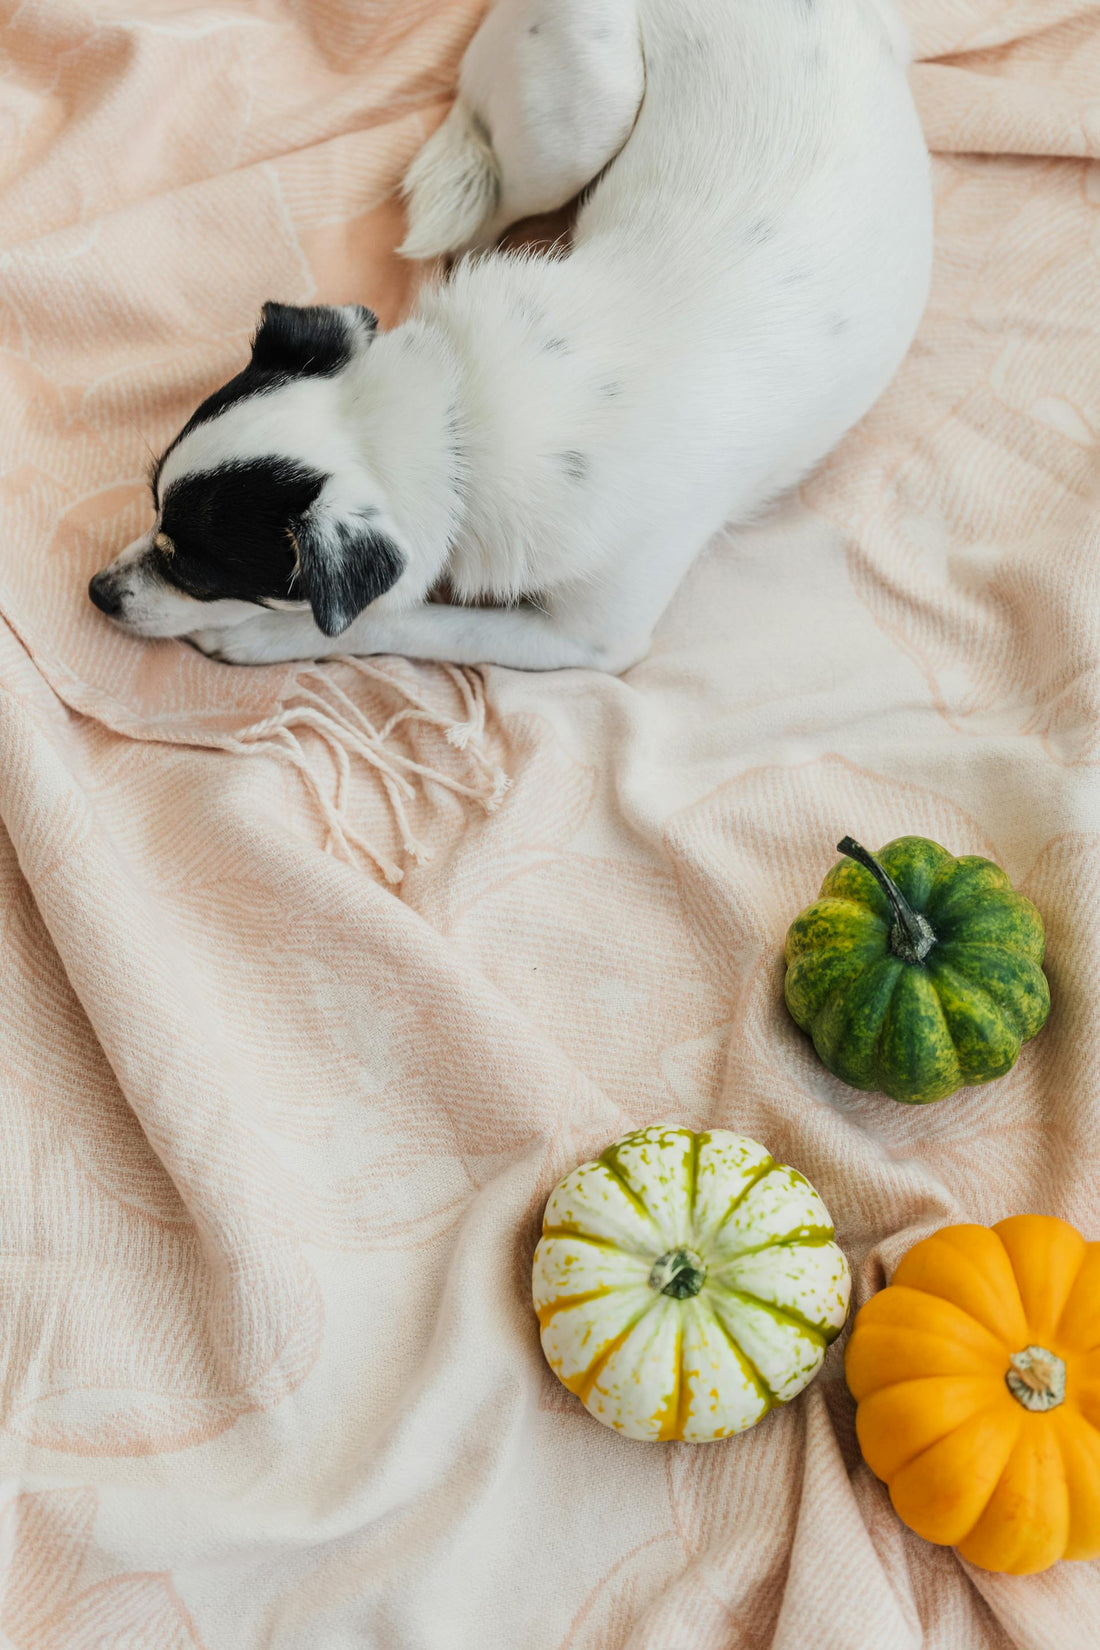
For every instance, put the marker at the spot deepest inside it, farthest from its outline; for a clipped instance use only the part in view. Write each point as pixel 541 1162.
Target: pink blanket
pixel 303 1012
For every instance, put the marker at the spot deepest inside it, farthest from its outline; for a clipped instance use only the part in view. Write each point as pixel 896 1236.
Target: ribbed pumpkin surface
pixel 933 1360
pixel 686 1283
pixel 918 1030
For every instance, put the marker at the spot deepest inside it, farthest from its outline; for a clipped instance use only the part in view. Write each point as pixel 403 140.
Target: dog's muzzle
pixel 105 593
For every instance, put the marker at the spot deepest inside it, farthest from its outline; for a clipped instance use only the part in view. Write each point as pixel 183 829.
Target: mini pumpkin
pixel 687 1283
pixel 917 973
pixel 977 1380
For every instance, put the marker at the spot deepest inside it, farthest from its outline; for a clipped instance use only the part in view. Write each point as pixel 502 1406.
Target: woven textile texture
pixel 303 1012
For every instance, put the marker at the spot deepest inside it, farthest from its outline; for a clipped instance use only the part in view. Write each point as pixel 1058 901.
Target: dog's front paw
pixel 210 642
pixel 269 638
pixel 237 645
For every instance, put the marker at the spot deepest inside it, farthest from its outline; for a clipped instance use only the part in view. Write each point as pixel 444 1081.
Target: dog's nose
pixel 106 595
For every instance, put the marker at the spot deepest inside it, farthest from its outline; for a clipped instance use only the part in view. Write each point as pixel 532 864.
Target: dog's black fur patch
pixel 246 531
pixel 230 529
pixel 345 565
pixel 291 341
pixel 313 341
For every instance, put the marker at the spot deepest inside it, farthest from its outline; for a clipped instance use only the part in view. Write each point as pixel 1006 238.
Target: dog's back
pixel 771 211
pixel 744 280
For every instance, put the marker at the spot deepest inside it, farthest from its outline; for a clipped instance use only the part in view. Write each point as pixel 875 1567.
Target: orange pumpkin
pixel 976 1375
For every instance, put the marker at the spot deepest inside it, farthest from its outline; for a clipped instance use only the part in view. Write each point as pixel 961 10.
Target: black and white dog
pixel 560 435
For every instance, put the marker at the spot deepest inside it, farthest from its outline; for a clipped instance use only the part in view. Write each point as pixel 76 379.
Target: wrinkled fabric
pixel 277 1131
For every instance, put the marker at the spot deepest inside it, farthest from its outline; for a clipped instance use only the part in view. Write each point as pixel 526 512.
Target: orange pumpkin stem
pixel 1037 1379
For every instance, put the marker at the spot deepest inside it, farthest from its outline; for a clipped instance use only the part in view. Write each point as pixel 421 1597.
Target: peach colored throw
pixel 277 1126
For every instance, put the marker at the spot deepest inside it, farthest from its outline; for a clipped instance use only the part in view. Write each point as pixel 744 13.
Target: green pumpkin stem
pixel 912 936
pixel 679 1273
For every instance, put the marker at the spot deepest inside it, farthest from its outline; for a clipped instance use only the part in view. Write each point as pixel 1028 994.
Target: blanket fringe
pixel 327 712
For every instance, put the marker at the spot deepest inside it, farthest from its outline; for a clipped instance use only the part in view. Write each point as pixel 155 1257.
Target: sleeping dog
pixel 555 436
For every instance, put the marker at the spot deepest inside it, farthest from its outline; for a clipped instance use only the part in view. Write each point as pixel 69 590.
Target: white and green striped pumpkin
pixel 687 1283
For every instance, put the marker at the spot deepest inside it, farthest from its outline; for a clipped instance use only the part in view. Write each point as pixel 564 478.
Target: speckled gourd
pixel 917 973
pixel 687 1283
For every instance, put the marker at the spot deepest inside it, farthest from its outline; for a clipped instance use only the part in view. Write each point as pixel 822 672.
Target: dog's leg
pixel 522 638
pixel 548 93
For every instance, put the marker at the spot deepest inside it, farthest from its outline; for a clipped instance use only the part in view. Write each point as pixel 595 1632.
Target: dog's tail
pixel 452 187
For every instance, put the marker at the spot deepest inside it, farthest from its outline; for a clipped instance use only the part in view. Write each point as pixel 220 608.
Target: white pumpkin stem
pixel 912 935
pixel 1037 1379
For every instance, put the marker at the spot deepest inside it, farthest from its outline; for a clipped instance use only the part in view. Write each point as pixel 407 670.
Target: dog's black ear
pixel 343 566
pixel 314 341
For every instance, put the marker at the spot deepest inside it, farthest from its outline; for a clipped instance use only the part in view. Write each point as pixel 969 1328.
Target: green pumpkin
pixel 917 973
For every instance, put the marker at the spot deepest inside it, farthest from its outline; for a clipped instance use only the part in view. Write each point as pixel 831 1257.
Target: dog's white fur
pixel 558 85
pixel 564 433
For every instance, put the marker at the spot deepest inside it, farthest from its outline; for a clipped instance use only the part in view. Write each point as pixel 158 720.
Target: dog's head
pixel 262 498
